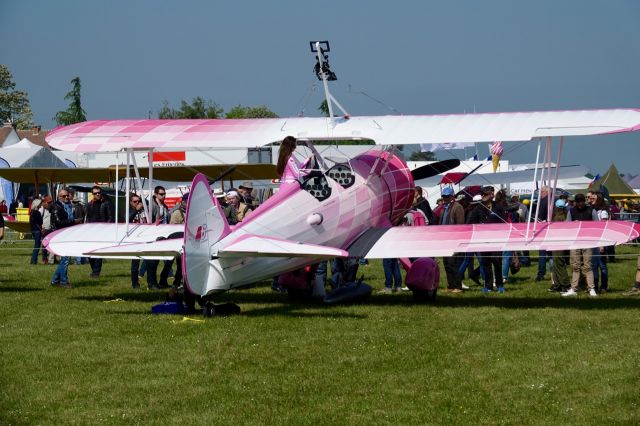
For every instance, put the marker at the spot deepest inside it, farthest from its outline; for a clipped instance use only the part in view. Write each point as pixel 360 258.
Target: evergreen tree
pixel 75 113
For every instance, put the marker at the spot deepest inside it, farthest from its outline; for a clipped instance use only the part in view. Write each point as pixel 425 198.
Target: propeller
pixel 434 169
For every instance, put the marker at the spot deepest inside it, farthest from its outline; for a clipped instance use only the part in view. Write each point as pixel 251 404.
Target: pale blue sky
pixel 419 57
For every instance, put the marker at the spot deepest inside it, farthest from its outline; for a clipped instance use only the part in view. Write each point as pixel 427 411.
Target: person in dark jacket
pixel 489 212
pixel 136 215
pixel 35 220
pixel 421 203
pixel 62 217
pixel 98 210
pixel 542 216
pixel 159 215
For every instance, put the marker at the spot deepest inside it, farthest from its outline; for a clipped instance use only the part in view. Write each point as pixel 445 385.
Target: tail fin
pixel 205 225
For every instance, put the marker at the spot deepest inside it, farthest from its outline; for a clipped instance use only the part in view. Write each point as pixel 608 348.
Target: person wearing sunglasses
pixel 62 217
pixel 159 215
pixel 98 211
pixel 136 215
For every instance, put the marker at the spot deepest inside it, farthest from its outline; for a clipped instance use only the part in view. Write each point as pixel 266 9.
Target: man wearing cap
pixel 452 214
pixel 231 210
pixel 581 258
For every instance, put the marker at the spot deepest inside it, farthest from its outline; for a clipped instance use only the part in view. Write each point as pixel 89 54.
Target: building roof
pixel 4 133
pixel 36 136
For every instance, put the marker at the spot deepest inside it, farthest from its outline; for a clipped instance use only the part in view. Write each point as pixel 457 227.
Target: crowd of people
pixel 568 269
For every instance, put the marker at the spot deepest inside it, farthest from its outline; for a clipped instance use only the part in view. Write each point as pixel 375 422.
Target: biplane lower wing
pixel 260 246
pixel 104 239
pixel 444 240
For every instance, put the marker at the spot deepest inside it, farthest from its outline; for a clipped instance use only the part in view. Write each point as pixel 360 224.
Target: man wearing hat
pixel 245 191
pixel 246 200
pixel 452 214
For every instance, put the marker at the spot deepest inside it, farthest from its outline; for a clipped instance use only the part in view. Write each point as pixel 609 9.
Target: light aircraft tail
pixel 205 225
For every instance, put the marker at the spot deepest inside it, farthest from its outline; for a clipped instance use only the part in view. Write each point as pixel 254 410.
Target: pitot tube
pixel 496 150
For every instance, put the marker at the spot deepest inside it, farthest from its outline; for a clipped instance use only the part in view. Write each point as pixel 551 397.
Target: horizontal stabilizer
pixel 260 246
pixel 81 240
pixel 159 250
pixel 445 240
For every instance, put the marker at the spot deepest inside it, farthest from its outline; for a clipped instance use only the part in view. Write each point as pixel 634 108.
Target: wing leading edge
pixel 115 135
pixel 445 240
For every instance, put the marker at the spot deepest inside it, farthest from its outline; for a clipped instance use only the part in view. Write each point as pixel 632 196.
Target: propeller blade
pixel 434 169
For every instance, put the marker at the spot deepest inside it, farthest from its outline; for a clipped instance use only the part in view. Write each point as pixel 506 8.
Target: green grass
pixel 94 354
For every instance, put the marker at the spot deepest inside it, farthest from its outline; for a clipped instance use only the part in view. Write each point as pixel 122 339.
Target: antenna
pixel 324 73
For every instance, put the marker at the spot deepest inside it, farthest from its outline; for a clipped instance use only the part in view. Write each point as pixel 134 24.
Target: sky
pixel 407 57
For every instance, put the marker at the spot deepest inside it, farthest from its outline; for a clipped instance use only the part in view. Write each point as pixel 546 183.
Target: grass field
pixel 94 354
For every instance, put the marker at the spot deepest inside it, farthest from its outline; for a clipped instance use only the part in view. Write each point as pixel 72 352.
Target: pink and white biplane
pixel 339 209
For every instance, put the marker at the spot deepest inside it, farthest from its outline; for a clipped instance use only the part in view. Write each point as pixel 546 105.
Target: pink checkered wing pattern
pixel 115 135
pixel 431 241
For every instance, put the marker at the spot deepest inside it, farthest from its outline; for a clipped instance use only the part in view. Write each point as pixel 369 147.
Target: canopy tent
pixel 615 185
pixel 25 154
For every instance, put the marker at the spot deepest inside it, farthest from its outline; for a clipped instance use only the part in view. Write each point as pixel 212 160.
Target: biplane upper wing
pixel 445 240
pixel 115 135
pixel 90 238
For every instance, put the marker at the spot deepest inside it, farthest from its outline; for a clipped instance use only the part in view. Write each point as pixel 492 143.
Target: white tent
pixel 25 154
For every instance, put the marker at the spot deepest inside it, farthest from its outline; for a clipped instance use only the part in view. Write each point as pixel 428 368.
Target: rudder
pixel 205 225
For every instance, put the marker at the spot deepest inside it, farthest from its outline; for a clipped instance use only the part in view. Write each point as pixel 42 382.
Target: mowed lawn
pixel 95 354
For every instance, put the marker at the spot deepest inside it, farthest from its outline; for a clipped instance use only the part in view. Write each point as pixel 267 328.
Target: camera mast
pixel 324 73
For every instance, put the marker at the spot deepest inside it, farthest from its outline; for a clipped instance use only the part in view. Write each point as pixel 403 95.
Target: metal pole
pixel 535 177
pixel 128 190
pixel 115 187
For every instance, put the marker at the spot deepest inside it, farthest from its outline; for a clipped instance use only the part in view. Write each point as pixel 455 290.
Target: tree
pixel 422 156
pixel 14 104
pixel 75 113
pixel 240 111
pixel 198 108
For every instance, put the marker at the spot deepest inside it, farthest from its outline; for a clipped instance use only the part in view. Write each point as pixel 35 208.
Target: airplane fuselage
pixel 379 197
